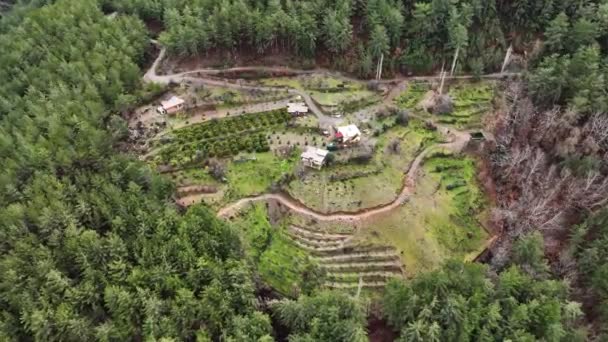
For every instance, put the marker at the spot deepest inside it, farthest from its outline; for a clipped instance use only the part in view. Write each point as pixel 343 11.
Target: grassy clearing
pixel 194 176
pixel 255 177
pixel 350 187
pixel 439 221
pixel 337 98
pixel 284 267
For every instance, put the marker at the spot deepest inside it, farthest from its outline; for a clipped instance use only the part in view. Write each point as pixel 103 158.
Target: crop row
pixel 191 152
pixel 214 129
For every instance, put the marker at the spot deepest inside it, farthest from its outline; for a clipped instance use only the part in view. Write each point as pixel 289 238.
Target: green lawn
pixel 255 177
pixel 436 223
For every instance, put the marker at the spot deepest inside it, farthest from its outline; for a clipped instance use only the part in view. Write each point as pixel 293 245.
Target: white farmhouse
pixel 348 134
pixel 314 157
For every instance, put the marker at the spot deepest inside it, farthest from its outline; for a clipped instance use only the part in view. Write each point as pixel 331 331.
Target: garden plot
pixel 351 186
pixel 471 101
pixel 344 263
pixel 440 220
pixel 256 176
pixel 412 95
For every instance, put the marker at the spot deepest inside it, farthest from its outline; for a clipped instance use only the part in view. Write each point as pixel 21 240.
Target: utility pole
pixel 507 58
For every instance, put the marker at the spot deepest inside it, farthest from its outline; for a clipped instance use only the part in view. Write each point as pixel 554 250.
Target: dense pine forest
pixel 93 248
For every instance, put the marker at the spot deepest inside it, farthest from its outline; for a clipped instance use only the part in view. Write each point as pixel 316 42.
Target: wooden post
pixel 507 58
pixel 360 286
pixel 379 70
pixel 454 61
pixel 442 75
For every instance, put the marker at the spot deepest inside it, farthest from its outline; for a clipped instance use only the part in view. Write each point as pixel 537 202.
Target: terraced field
pixel 346 265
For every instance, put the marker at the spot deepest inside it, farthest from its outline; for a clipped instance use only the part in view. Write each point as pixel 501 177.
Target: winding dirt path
pixel 458 142
pixel 195 77
pixel 152 76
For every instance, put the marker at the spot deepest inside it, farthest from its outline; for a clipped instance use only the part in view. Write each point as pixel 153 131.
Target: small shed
pixel 348 134
pixel 297 108
pixel 314 157
pixel 171 106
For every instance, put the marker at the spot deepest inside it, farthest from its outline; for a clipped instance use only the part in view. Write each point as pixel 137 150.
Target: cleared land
pixel 441 219
pixel 354 185
pixel 257 149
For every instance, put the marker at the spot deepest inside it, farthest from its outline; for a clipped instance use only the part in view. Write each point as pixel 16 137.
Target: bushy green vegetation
pixel 457 180
pixel 326 317
pixel 413 36
pixel 219 138
pixel 412 95
pixel 468 302
pixel 90 247
pixel 588 246
pixel 279 263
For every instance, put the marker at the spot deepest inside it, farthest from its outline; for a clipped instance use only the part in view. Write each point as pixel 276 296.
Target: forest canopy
pixel 92 246
pixel 90 250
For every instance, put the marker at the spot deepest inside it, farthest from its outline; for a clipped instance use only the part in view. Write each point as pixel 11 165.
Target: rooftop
pixel 297 107
pixel 174 101
pixel 316 154
pixel 349 132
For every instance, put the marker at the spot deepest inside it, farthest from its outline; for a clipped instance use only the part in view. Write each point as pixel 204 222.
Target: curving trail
pixel 459 141
pixel 195 77
pixel 152 76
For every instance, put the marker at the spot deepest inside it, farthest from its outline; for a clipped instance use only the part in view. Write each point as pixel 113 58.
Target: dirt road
pixel 195 77
pixel 459 139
